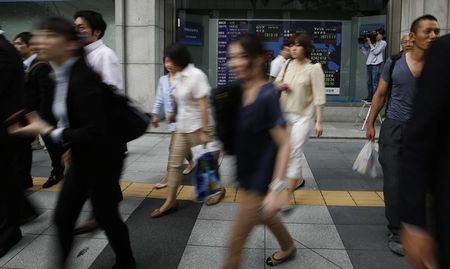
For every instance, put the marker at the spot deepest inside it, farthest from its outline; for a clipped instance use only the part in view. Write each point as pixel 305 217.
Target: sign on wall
pixel 326 36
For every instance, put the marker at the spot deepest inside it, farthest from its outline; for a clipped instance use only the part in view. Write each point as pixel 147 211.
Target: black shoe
pixel 88 227
pixel 395 245
pixel 10 243
pixel 52 180
pixel 130 265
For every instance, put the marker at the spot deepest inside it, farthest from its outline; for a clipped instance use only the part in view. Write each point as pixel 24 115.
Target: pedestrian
pixel 11 101
pixel 399 87
pixel 262 152
pixel 91 28
pixel 193 121
pixel 424 166
pixel 39 94
pixel 96 161
pixel 278 62
pixel 302 99
pixel 164 101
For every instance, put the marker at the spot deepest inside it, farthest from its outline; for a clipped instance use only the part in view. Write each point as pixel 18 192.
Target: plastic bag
pixel 367 161
pixel 205 176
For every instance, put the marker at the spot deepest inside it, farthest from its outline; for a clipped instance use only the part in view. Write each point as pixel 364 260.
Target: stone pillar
pixel 403 12
pixel 140 44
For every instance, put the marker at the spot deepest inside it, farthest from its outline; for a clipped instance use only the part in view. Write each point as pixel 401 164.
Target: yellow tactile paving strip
pixel 301 197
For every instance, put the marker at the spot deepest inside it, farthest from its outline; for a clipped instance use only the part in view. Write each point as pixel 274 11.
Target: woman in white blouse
pixel 193 121
pixel 302 100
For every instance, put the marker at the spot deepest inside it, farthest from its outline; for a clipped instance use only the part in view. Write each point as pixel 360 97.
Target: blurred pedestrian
pixel 164 101
pixel 96 161
pixel 424 166
pixel 39 95
pixel 11 101
pixel 193 121
pixel 302 86
pixel 406 44
pixel 262 152
pixel 278 62
pixel 399 88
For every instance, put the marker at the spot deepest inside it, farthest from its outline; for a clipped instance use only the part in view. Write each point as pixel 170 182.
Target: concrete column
pixel 140 42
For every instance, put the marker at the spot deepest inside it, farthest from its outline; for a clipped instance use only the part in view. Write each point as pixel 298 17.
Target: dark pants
pixel 11 195
pixel 373 76
pixel 23 161
pixel 391 136
pixel 55 152
pixel 97 180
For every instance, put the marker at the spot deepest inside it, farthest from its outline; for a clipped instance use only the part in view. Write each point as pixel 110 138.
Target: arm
pixel 378 48
pixel 319 98
pixel 157 104
pixel 378 101
pixel 203 105
pixel 280 136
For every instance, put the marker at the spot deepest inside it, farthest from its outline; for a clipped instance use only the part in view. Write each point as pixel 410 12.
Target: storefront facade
pixel 139 30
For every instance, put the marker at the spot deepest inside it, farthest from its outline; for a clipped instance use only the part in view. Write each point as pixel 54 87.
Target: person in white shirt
pixel 278 62
pixel 374 53
pixel 91 26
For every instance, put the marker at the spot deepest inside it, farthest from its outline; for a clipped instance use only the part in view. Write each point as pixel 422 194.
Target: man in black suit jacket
pixel 38 97
pixel 426 165
pixel 11 192
pixel 96 160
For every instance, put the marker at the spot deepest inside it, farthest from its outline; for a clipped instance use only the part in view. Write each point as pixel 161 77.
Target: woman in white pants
pixel 302 100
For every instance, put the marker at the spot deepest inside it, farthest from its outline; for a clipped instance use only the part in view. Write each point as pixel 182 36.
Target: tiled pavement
pixel 338 221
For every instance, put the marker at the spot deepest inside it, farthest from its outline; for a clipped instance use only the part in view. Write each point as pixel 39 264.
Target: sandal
pixel 300 185
pixel 157 213
pixel 162 183
pixel 216 197
pixel 188 169
pixel 272 261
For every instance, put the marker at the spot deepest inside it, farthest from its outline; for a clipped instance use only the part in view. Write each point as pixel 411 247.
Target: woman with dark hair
pixel 262 151
pixel 96 160
pixel 302 100
pixel 164 100
pixel 193 121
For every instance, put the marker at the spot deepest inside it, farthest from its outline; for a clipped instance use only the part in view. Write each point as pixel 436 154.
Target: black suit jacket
pixel 426 156
pixel 40 90
pixel 11 84
pixel 87 134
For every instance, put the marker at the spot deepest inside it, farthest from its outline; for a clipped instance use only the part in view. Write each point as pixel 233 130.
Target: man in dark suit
pixel 11 191
pixel 38 97
pixel 96 160
pixel 425 166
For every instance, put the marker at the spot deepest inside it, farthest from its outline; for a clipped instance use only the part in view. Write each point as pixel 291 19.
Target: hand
pixel 155 121
pixel 419 248
pixel 171 118
pixel 204 138
pixel 271 204
pixel 370 133
pixel 319 129
pixel 368 41
pixel 66 157
pixel 282 87
pixel 36 126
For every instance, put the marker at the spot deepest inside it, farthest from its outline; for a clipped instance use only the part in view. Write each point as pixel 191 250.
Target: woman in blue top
pixel 262 151
pixel 164 103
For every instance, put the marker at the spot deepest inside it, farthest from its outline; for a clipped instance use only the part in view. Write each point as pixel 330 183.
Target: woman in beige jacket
pixel 301 83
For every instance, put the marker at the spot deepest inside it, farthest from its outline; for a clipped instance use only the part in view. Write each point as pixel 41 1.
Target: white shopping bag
pixel 199 150
pixel 367 161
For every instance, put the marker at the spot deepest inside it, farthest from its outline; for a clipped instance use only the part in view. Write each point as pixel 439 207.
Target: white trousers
pixel 299 130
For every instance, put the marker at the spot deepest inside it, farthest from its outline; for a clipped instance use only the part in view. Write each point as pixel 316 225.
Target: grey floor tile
pixel 41 253
pixel 308 214
pixel 40 224
pixel 44 199
pixel 129 204
pixel 26 240
pixel 316 259
pixel 216 233
pixel 363 237
pixel 343 215
pixel 200 257
pixel 309 236
pixel 363 259
pixel 221 211
pixel 40 171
